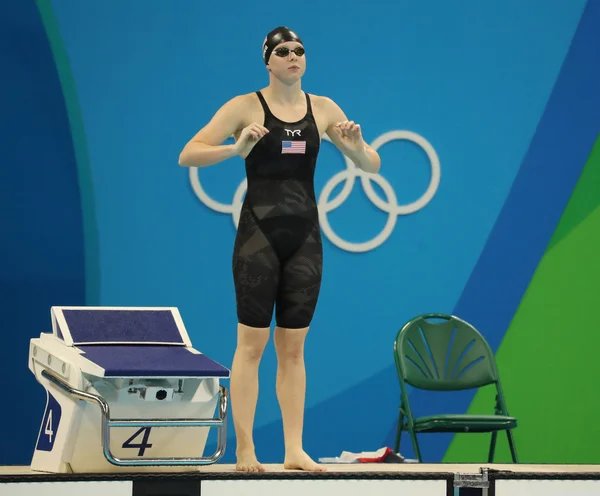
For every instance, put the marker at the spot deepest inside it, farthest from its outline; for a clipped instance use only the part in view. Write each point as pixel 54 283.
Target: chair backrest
pixel 442 352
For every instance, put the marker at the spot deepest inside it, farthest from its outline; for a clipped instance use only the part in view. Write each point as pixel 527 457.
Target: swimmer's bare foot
pixel 247 462
pixel 301 461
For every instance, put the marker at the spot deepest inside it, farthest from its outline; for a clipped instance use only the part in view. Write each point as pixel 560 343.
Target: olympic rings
pixel 325 204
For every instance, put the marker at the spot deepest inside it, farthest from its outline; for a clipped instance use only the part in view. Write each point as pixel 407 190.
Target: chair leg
pixel 415 443
pixel 511 443
pixel 398 433
pixel 492 447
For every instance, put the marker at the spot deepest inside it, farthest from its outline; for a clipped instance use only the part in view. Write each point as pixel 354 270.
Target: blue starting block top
pixel 152 361
pixel 133 342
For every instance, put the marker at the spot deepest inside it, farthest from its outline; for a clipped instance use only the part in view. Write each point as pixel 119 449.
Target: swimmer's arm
pixel 364 157
pixel 206 147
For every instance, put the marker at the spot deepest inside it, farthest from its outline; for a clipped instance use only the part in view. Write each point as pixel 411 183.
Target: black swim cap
pixel 277 36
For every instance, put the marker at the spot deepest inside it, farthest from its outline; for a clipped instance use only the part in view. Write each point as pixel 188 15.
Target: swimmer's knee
pixel 252 340
pixel 289 343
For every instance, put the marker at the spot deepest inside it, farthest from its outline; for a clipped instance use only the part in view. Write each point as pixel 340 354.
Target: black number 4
pixel 143 445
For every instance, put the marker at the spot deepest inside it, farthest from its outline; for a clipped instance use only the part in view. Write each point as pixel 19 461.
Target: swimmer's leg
pixel 296 302
pixel 256 277
pixel 244 392
pixel 291 391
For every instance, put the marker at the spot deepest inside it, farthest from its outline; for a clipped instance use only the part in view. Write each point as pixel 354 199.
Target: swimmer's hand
pixel 249 137
pixel 351 135
pixel 349 139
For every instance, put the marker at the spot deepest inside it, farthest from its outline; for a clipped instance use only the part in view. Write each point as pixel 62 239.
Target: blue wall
pixel 102 96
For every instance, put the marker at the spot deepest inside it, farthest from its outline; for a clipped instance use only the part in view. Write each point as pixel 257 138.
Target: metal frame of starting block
pixel 122 381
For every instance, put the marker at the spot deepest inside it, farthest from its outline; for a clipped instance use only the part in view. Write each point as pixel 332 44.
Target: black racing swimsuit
pixel 277 256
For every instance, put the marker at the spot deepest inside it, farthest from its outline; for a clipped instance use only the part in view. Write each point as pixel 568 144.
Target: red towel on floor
pixel 383 455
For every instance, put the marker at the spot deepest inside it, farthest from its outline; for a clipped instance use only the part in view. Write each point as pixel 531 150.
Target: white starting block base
pixel 85 454
pixel 348 479
pixel 126 392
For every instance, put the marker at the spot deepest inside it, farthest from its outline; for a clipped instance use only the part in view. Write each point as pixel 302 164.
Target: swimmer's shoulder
pixel 321 102
pixel 244 109
pixel 244 103
pixel 324 106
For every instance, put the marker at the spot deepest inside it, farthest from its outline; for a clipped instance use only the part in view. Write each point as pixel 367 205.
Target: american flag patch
pixel 293 147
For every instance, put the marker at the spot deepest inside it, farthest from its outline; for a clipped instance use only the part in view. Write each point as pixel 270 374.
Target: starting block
pixel 126 391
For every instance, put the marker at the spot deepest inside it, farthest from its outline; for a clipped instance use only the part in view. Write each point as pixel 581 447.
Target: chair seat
pixel 464 423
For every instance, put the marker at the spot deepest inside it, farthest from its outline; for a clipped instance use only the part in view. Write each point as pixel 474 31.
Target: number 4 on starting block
pixel 145 431
pixel 50 424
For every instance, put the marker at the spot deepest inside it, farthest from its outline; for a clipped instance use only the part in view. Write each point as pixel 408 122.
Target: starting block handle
pixel 107 423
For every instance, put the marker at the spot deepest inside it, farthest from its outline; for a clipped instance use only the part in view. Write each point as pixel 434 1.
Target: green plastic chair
pixel 448 354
